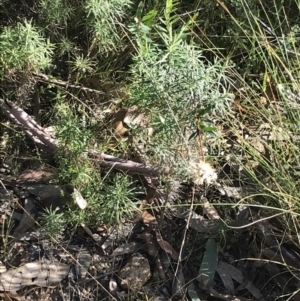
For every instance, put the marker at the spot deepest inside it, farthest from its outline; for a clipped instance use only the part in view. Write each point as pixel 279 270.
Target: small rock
pixel 135 273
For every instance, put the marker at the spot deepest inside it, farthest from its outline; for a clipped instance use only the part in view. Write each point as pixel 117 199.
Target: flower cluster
pixel 201 173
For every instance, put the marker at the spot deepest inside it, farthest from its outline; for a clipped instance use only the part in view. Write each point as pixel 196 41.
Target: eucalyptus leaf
pixel 209 263
pixel 192 292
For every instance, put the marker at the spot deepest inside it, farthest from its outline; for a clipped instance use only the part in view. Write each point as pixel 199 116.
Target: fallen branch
pixel 131 166
pixel 29 126
pixel 46 79
pixel 49 144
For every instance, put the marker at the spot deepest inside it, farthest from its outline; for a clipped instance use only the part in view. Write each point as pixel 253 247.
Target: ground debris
pixel 135 273
pixel 39 273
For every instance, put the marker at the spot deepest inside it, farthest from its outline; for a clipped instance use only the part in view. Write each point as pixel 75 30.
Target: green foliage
pixel 103 19
pixel 172 81
pixel 75 167
pixel 65 46
pixel 53 222
pixel 178 60
pixel 117 201
pixel 108 202
pixel 81 66
pixel 264 45
pixel 56 12
pixel 24 49
pixel 184 57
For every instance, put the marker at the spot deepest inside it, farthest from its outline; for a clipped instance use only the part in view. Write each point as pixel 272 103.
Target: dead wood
pixel 49 144
pixel 44 78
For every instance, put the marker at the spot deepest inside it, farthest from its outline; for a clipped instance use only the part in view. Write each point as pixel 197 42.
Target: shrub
pixel 56 12
pixel 174 84
pixel 24 49
pixel 103 19
pixel 117 201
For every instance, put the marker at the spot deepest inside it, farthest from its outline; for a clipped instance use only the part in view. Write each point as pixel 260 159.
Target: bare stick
pixel 45 78
pixel 50 144
pixel 28 125
pixel 134 167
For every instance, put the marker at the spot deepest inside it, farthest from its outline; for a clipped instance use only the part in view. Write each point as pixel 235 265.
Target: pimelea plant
pixel 173 84
pixel 24 49
pixel 103 17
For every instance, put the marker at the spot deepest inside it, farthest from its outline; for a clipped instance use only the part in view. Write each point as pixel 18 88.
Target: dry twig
pixel 46 79
pixel 50 144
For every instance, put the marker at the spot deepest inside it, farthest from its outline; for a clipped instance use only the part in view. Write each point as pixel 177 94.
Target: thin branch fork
pixel 49 144
pixel 46 79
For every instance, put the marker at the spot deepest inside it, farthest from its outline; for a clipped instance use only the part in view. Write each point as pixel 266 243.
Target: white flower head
pixel 202 172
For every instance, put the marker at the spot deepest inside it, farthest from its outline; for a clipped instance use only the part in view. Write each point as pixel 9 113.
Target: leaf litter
pixel 113 259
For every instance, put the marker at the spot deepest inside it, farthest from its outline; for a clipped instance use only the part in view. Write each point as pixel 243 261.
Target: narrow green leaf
pixel 209 263
pixel 168 10
pixel 149 18
pixel 205 111
pixel 207 129
pixel 264 86
pixel 193 135
pixel 139 11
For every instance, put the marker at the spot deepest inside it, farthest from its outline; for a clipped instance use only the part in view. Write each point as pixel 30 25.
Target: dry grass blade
pixel 178 287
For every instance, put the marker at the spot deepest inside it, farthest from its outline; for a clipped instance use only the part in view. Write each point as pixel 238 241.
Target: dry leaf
pixel 79 200
pixel 151 244
pixel 118 124
pixel 131 247
pixel 148 218
pixel 27 220
pixel 97 238
pixel 120 128
pixel 33 273
pixel 101 229
pixel 166 247
pixel 84 259
pixel 113 286
pixel 2 267
pixel 209 263
pixel 87 230
pixel 237 275
pixel 258 145
pixel 134 117
pixel 209 210
pixel 135 273
pixel 8 296
pixel 237 192
pixel 40 175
